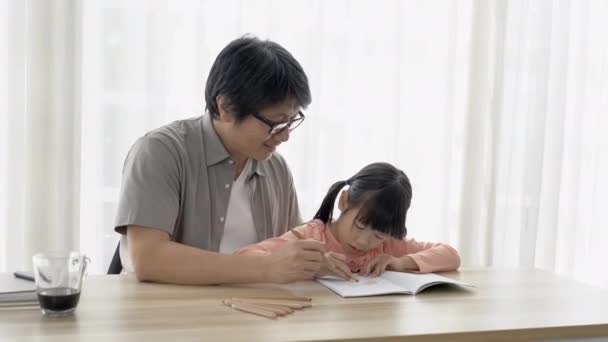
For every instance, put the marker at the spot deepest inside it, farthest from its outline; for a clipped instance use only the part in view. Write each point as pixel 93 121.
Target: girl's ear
pixel 343 201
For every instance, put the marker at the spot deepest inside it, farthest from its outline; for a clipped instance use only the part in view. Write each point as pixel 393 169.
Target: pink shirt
pixel 429 256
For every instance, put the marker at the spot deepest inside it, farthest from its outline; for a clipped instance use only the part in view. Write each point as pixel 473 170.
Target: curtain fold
pixel 41 134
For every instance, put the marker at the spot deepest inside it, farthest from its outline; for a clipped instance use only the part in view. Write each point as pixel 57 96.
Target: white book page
pixel 416 282
pixel 366 286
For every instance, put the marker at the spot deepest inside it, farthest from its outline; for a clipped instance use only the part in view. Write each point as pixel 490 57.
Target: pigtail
pixel 326 210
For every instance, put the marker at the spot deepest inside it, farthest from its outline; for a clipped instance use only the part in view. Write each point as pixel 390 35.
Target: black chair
pixel 115 264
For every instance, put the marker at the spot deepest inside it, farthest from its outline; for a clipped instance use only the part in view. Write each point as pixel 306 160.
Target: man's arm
pixel 156 258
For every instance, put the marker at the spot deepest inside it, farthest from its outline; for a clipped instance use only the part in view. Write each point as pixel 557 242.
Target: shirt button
pixel 222 219
pixel 231 161
pixel 227 186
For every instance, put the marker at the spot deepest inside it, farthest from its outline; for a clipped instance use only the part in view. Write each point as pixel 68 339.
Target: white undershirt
pixel 239 230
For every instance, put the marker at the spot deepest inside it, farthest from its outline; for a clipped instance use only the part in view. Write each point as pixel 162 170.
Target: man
pixel 197 189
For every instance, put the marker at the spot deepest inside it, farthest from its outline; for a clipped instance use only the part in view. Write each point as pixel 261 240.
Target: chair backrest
pixel 115 264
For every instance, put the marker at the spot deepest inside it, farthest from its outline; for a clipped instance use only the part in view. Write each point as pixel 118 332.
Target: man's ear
pixel 343 201
pixel 221 103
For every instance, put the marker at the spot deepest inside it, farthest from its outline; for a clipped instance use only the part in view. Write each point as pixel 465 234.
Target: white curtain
pixel 39 131
pixel 496 110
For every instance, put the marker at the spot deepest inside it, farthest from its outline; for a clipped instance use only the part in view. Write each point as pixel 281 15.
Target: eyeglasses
pixel 278 127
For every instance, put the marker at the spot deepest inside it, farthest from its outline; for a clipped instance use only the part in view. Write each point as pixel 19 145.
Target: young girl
pixel 368 236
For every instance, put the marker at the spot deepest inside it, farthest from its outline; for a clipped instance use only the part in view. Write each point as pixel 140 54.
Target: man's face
pixel 252 135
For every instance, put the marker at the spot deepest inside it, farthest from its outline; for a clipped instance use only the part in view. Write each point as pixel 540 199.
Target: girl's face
pixel 353 235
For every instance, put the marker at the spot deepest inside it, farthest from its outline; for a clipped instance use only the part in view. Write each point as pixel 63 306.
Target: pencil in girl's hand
pixel 297 234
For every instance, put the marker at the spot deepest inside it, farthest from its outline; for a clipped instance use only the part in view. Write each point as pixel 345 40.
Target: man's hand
pixel 384 262
pixel 334 264
pixel 296 260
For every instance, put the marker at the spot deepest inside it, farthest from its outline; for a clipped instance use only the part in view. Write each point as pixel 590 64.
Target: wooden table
pixel 507 305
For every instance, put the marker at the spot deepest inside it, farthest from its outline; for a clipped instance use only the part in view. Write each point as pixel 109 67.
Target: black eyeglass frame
pixel 278 127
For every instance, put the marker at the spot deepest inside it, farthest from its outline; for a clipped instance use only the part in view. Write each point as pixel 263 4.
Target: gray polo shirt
pixel 177 178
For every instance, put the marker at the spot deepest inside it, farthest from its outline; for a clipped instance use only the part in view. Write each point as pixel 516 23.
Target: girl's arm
pixel 423 257
pixel 331 263
pixel 271 245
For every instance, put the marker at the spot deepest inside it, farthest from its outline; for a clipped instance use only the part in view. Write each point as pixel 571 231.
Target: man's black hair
pixel 253 74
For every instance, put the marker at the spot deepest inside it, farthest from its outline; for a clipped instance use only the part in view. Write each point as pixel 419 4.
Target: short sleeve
pixel 149 194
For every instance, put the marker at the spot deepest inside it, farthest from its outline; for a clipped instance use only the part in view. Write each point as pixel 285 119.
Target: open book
pixel 388 283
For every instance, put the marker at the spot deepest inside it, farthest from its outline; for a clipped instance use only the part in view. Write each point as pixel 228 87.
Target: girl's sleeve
pixel 429 256
pixel 271 245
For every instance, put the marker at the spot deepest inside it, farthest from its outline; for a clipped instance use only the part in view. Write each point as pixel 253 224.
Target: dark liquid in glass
pixel 59 299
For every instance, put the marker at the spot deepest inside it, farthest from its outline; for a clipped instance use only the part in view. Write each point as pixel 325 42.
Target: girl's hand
pixel 334 264
pixel 384 262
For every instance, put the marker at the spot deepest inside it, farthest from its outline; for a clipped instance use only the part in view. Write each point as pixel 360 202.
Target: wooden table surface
pixel 507 305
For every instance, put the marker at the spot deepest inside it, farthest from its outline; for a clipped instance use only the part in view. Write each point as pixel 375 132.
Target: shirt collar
pixel 215 152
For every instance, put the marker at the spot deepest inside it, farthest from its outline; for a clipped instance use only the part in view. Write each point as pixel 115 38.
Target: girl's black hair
pixel 381 191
